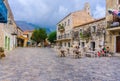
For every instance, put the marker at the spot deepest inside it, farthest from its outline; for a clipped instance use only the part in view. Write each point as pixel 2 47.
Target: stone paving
pixel 43 64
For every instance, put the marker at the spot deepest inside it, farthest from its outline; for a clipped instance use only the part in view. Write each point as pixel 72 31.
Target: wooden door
pixel 118 44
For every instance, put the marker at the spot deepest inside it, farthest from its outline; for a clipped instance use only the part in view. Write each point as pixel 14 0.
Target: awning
pixel 3 12
pixel 21 37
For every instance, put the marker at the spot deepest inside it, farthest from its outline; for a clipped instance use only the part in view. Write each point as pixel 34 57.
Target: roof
pixel 64 17
pixel 97 20
pixel 19 28
pixel 27 32
pixel 81 17
pixel 69 15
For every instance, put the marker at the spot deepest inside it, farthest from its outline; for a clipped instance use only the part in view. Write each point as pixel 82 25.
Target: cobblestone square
pixel 43 64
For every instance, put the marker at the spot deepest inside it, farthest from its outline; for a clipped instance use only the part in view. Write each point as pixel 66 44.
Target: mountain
pixel 29 26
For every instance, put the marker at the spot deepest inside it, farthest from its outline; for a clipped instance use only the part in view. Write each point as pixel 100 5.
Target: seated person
pixel 76 50
pixel 107 50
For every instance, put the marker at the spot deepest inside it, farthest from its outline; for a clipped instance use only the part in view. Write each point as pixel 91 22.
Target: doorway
pixel 83 44
pixel 93 46
pixel 118 44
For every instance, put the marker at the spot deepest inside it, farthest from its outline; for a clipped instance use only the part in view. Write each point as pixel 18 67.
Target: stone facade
pixel 94 32
pixel 27 35
pixel 8 31
pixel 66 25
pixel 20 38
pixel 113 32
pixel 2 34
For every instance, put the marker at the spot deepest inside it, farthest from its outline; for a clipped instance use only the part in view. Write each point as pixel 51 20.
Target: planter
pixel 61 30
pixel 2 54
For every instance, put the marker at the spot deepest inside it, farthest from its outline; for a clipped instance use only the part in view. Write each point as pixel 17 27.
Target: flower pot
pixel 2 52
pixel 61 30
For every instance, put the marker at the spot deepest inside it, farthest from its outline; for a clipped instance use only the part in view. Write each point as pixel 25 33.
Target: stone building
pixel 66 25
pixel 3 20
pixel 8 30
pixel 90 34
pixel 20 38
pixel 24 37
pixel 27 35
pixel 113 26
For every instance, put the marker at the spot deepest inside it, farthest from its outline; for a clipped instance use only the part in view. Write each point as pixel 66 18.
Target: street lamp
pixel 104 32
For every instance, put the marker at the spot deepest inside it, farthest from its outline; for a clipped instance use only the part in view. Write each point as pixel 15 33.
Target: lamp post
pixel 104 32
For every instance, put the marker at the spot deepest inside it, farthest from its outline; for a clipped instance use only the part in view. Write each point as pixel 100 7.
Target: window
pixel 68 44
pixel 68 34
pixel 65 44
pixel 80 30
pixel 65 23
pixel 93 29
pixel 82 44
pixel 68 22
pixel 62 24
pixel 64 35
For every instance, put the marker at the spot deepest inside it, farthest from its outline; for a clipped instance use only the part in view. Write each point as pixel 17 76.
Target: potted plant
pixel 85 35
pixel 61 28
pixel 2 52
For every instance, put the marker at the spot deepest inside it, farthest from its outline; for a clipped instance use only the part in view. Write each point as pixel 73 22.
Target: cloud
pixel 62 10
pixel 99 12
pixel 48 13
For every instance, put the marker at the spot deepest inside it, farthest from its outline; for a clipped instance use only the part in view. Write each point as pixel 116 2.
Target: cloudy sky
pixel 49 12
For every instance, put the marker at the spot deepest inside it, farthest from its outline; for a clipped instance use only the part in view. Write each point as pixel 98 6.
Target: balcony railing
pixel 3 12
pixel 65 36
pixel 111 24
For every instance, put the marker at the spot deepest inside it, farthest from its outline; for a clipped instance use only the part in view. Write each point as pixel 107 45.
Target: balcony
pixel 113 26
pixel 3 12
pixel 64 37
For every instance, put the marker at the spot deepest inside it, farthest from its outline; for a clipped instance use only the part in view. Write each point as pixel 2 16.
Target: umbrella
pixel 110 11
pixel 116 12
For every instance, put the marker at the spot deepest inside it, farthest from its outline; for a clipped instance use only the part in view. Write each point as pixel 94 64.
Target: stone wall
pixel 1 35
pixel 98 39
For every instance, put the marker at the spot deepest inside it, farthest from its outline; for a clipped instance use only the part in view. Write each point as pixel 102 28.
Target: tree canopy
pixel 39 35
pixel 52 37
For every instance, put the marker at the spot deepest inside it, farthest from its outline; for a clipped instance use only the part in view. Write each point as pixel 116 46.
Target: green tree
pixel 39 35
pixel 52 37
